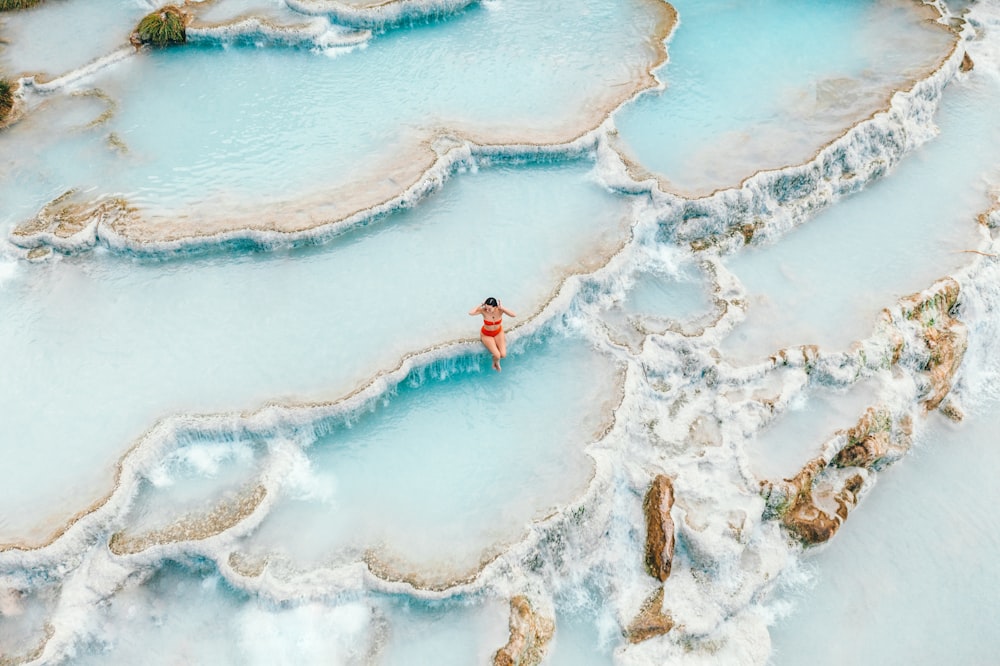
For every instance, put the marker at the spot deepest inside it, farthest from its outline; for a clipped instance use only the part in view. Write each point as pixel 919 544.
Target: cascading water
pixel 246 419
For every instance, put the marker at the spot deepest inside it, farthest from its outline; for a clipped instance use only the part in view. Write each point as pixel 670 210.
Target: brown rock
pixel 812 525
pixel 651 620
pixel 947 348
pixel 529 636
pixel 944 336
pixel 659 527
pixel 967 63
pixel 867 442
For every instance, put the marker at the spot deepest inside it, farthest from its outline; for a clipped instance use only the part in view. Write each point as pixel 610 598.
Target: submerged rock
pixel 659 527
pixel 529 636
pixel 651 620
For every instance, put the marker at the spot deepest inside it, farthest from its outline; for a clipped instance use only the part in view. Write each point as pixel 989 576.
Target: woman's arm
pixel 507 312
pixel 476 310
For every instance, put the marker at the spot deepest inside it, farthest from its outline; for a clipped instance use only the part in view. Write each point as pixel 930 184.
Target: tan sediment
pixel 192 527
pixel 39 253
pixel 530 634
pixel 195 9
pixel 384 181
pixel 638 172
pixel 246 565
pixel 650 621
pixel 393 569
pixel 66 216
pixel 109 111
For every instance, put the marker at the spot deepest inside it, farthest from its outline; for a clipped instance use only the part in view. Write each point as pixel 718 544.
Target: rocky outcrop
pixel 810 524
pixel 68 225
pixel 659 527
pixel 529 636
pixel 794 500
pixel 651 620
pixel 944 337
pixel 867 442
pixel 931 341
pixel 967 63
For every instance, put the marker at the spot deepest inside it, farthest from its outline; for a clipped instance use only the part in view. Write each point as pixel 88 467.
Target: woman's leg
pixel 491 346
pixel 502 344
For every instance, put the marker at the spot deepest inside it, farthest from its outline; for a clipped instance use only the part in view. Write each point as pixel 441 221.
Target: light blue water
pixel 797 434
pixel 299 123
pixel 895 238
pixel 97 351
pixel 448 468
pixel 718 123
pixel 436 477
pixel 883 602
pixel 55 38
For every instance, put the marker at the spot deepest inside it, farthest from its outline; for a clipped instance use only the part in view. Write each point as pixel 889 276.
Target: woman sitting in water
pixel 492 331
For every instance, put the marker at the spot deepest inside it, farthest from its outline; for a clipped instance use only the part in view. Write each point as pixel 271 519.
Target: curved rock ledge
pixel 416 170
pixel 771 178
pixel 192 528
pixel 381 14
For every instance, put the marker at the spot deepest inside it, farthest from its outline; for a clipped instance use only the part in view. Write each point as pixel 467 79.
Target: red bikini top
pixel 492 323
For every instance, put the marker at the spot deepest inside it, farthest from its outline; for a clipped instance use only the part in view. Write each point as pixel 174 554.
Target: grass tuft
pixel 163 27
pixel 13 5
pixel 6 98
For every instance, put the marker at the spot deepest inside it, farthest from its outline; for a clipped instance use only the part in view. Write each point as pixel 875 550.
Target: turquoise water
pixel 288 446
pixel 239 332
pixel 450 467
pixel 895 239
pixel 717 123
pixel 871 586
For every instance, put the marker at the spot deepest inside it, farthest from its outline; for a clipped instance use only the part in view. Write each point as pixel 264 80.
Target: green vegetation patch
pixel 6 98
pixel 12 5
pixel 163 27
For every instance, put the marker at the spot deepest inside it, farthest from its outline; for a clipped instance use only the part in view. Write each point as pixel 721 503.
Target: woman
pixel 492 331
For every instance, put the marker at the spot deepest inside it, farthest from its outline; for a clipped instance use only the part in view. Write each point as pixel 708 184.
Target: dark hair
pixel 492 302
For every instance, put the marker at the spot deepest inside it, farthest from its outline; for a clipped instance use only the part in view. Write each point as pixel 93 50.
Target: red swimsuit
pixel 496 323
